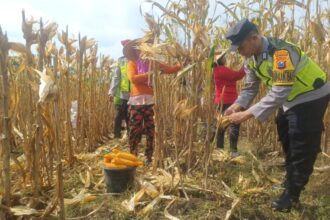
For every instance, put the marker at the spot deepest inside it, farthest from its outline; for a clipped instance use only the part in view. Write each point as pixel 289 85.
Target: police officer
pixel 297 87
pixel 119 92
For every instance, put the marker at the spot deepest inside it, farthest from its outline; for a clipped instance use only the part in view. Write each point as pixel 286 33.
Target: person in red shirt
pixel 225 94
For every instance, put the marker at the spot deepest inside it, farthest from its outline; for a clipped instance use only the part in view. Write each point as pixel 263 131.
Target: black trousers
pixel 233 130
pixel 121 114
pixel 299 131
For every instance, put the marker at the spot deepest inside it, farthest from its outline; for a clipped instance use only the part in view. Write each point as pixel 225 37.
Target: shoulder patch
pixel 283 68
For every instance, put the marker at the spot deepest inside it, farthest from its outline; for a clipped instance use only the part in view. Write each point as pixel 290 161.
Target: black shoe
pixel 285 202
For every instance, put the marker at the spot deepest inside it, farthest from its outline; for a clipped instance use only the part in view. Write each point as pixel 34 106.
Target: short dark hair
pixel 255 31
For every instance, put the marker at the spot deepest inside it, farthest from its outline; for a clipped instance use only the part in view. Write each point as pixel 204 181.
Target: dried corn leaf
pixel 285 32
pixel 50 49
pixel 147 209
pixel 327 59
pixel 256 175
pixel 18 47
pixel 164 180
pixel 222 156
pixel 322 169
pixel 231 12
pixel 150 189
pixel 254 190
pixel 90 43
pixel 169 13
pixel 185 113
pixel 88 179
pixel 273 180
pixel 82 197
pixel 47 86
pixel 14 163
pixel 167 214
pixel 326 155
pixel 99 183
pixel 130 205
pixel 153 25
pixel 180 105
pixel 233 206
pixel 89 198
pixel 228 192
pixel 23 210
pixel 17 132
pixel 151 51
pixel 171 50
pixel 50 30
pixel 317 31
pixel 62 37
pixel 21 68
pixel 182 73
pixel 245 183
pixel 86 156
pixel 240 178
pixel 82 178
pixel 238 160
pixel 181 51
pixel 260 167
pixel 292 2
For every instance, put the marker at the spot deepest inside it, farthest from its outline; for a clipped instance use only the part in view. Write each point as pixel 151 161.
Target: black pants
pixel 233 133
pixel 299 131
pixel 121 114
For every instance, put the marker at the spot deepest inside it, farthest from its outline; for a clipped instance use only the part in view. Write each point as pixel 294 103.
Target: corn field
pixel 39 138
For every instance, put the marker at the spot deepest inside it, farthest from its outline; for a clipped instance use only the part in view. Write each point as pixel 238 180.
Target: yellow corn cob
pixel 121 161
pixel 114 165
pixel 127 156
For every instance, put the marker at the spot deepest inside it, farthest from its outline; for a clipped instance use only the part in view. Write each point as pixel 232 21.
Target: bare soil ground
pixel 241 189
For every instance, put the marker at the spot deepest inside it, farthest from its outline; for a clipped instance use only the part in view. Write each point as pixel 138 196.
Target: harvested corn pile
pixel 121 159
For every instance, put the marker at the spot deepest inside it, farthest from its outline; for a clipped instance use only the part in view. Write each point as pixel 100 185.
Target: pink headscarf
pixel 124 42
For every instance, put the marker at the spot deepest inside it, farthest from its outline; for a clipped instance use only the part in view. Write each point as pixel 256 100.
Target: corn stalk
pixel 5 136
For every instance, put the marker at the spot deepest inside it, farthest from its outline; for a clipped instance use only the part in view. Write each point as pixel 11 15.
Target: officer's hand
pixel 110 98
pixel 232 109
pixel 239 117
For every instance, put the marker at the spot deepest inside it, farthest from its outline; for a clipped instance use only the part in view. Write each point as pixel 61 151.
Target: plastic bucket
pixel 119 179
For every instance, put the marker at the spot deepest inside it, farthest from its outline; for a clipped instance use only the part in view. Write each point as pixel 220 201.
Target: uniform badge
pixel 283 69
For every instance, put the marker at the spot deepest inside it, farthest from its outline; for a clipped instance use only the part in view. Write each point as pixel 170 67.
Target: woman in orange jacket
pixel 141 101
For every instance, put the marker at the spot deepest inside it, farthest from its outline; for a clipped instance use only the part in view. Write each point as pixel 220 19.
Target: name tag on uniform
pixel 264 56
pixel 283 69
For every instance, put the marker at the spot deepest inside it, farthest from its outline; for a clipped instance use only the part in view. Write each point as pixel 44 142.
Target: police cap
pixel 237 33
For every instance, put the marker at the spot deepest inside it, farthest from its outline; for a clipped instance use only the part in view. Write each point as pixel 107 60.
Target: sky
pixel 107 21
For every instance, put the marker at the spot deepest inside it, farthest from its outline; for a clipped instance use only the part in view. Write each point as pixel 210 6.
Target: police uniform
pixel 299 89
pixel 120 90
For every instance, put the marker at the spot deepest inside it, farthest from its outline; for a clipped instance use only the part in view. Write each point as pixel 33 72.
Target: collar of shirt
pixel 264 55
